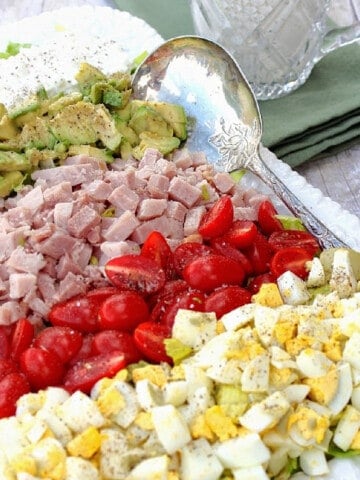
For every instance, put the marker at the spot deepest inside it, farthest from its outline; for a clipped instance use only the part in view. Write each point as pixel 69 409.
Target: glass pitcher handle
pixel 339 37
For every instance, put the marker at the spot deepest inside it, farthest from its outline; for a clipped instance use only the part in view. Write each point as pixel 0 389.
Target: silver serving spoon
pixel 224 117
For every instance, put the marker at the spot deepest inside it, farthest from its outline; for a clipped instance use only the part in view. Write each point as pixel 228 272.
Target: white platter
pixel 111 39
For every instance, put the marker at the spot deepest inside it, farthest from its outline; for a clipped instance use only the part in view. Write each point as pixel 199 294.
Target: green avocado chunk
pixel 164 145
pixel 147 119
pixel 13 161
pixel 9 181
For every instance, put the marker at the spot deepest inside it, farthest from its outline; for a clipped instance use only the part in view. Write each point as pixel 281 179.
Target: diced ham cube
pixel 62 214
pixel 176 229
pixel 10 241
pixel 80 224
pixel 125 198
pixel 99 190
pixel 151 155
pixel 208 193
pixel 22 261
pixel 176 210
pixel 165 167
pixel 192 220
pixel 75 174
pixel 19 216
pixel 198 158
pixel 245 213
pixel 122 227
pixel 150 208
pixel 158 186
pixel 57 245
pixel 223 182
pixel 58 193
pixel 11 311
pixel 182 158
pixel 70 286
pixel 20 284
pixel 160 224
pixel 46 286
pixel 117 249
pixel 180 190
pixel 33 200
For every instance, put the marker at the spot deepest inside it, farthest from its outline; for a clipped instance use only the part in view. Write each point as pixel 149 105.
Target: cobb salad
pixel 161 320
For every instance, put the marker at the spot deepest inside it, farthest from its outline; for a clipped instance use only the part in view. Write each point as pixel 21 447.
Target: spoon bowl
pixel 224 120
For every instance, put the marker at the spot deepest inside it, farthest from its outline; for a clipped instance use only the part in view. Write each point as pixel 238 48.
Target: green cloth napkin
pixel 318 119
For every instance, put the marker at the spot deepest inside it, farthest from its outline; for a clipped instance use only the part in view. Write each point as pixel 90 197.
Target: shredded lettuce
pixel 13 48
pixel 336 452
pixel 177 350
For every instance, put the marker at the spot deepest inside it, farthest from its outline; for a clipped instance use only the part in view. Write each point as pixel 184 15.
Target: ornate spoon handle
pixel 325 237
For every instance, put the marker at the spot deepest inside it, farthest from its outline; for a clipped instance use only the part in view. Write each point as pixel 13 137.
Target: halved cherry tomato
pixel 213 271
pixel 123 311
pixel 22 337
pixel 293 259
pixel 225 299
pixel 41 367
pixel 149 338
pixel 98 295
pixel 86 349
pixel 188 300
pixel 171 288
pixel 256 282
pixel 84 374
pixel 241 234
pixel 157 248
pixel 12 387
pixel 294 238
pixel 7 366
pixel 4 344
pixel 218 219
pixel 135 272
pixel 188 251
pixel 224 248
pixel 110 340
pixel 259 254
pixel 80 313
pixel 65 342
pixel 267 218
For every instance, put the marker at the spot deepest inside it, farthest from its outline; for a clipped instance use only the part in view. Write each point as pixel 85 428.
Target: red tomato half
pixel 267 218
pixel 293 259
pixel 7 366
pixel 225 299
pixel 12 387
pixel 294 238
pixel 80 313
pixel 42 368
pixel 22 337
pixel 188 251
pixel 218 219
pixel 84 374
pixel 123 311
pixel 224 248
pixel 149 338
pixel 213 271
pixel 241 234
pixel 259 254
pixel 4 345
pixel 157 248
pixel 110 340
pixel 65 342
pixel 135 272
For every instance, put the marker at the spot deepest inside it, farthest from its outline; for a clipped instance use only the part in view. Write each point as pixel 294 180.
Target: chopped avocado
pixel 9 181
pixel 45 158
pixel 13 161
pixel 164 145
pixel 291 223
pixel 99 153
pixel 3 110
pixel 232 400
pixel 87 75
pixel 120 80
pixel 177 350
pixel 8 128
pixel 237 175
pixel 124 113
pixel 37 135
pixel 173 114
pixel 30 106
pixel 147 119
pixel 103 92
pixel 59 103
pixel 85 123
pixel 127 132
pixel 126 150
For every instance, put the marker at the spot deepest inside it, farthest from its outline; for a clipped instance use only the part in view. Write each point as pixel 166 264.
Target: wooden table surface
pixel 337 176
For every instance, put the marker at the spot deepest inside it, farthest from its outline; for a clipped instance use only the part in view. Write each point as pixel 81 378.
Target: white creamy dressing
pixel 54 65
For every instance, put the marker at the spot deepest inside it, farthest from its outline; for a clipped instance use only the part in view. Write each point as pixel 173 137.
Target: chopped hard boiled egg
pixel 274 389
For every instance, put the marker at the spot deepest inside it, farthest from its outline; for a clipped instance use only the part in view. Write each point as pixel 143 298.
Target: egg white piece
pixel 199 461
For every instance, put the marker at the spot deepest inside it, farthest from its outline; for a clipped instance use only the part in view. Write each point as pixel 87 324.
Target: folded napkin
pixel 318 119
